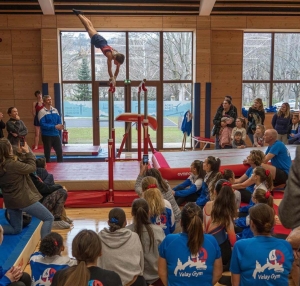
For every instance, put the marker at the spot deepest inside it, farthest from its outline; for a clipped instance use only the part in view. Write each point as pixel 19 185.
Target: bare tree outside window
pixel 144 55
pixel 163 58
pixel 282 83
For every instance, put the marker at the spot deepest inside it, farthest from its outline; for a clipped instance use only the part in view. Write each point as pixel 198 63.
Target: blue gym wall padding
pixel 45 90
pixel 196 112
pixel 207 109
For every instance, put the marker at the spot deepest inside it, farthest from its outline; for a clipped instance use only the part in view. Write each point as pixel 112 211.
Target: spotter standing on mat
pixel 99 42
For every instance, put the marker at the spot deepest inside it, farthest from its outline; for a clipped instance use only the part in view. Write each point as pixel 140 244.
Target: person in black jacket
pixel 225 111
pixel 2 125
pixel 256 115
pixel 54 198
pixel 232 106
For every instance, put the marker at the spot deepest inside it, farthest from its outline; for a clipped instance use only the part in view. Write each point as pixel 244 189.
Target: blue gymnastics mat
pixel 13 245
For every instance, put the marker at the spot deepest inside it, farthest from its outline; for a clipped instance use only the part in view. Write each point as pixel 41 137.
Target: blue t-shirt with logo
pixel 262 260
pixel 249 174
pixel 185 268
pixel 282 159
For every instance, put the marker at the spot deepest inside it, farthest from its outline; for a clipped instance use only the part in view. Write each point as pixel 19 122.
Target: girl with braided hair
pixel 190 257
pixel 122 250
pixel 48 259
pixel 161 212
pixel 151 237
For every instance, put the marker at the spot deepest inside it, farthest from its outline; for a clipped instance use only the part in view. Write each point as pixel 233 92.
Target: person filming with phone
pixel 15 127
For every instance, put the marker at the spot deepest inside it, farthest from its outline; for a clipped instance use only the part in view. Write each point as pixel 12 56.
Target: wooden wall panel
pixel 226 67
pixel 229 22
pixel 49 34
pixel 5 45
pixel 122 23
pixel 203 73
pixel 48 21
pixel 5 60
pixel 273 22
pixel 26 47
pixel 5 48
pixel 24 21
pixel 26 43
pixel 203 23
pixel 227 47
pixel 226 79
pixel 176 22
pixel 27 79
pixel 6 83
pixel 65 21
pixel 5 104
pixel 3 21
pixel 50 73
pixel 49 52
pixel 24 108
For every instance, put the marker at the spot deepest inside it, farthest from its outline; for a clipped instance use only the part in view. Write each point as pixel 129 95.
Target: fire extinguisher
pixel 65 135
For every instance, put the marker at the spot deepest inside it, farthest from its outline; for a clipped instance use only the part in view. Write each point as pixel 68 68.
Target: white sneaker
pixel 60 224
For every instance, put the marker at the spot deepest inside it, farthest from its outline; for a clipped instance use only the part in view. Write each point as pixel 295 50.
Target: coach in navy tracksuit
pixel 50 122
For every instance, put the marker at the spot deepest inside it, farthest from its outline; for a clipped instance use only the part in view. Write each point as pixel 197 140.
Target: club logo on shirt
pixel 197 261
pixel 274 262
pixel 161 221
pixel 95 283
pixel 45 278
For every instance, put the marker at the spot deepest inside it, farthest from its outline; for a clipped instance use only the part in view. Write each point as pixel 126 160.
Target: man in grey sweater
pixel 289 208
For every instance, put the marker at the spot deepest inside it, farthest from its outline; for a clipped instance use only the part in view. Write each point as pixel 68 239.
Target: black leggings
pixel 245 196
pixel 190 198
pixel 25 280
pixel 226 254
pixel 140 281
pixel 226 258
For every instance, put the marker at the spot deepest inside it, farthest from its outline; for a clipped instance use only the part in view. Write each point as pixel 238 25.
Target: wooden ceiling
pixel 153 7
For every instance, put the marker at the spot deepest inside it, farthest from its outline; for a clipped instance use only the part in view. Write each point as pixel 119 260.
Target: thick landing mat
pixel 94 176
pixel 176 165
pixel 16 249
pixel 73 150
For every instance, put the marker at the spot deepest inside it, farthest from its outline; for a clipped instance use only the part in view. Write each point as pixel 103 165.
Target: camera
pixel 145 159
pixel 22 142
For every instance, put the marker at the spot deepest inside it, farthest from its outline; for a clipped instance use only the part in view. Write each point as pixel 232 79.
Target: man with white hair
pixel 279 156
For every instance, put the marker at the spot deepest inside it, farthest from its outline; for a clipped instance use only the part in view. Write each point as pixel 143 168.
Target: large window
pixel 271 68
pixel 163 58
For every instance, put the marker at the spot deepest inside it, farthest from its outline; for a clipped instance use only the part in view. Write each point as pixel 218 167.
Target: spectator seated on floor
pixel 41 171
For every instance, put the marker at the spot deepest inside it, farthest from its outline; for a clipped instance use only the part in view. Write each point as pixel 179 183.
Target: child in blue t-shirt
pixel 191 257
pixel 294 130
pixel 242 224
pixel 190 189
pixel 262 260
pixel 47 261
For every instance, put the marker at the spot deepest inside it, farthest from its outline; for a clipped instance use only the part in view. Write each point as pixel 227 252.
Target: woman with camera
pixel 19 192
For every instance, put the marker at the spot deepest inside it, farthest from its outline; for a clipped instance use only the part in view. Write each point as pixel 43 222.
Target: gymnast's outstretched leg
pixel 86 23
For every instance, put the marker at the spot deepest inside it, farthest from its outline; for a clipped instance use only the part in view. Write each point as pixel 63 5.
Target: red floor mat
pixel 86 199
pixel 125 197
